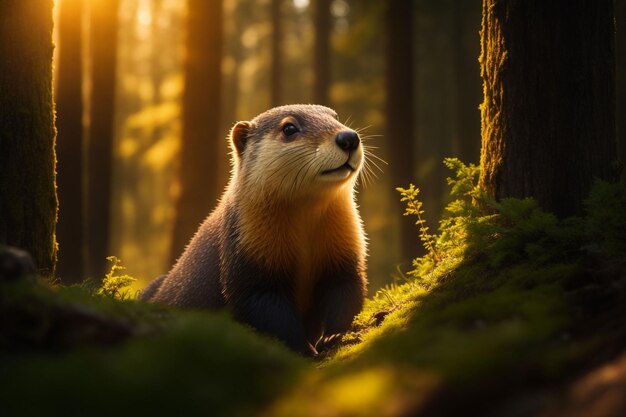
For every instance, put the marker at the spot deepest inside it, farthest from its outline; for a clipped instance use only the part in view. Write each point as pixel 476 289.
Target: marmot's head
pixel 296 151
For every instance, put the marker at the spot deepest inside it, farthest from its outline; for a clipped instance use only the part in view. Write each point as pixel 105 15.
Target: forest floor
pixel 528 321
pixel 505 344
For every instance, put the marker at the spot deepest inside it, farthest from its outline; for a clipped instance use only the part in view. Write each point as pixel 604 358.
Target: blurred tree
pixel 437 100
pixel 322 24
pixel 467 89
pixel 620 21
pixel 103 15
pixel 158 68
pixel 147 132
pixel 28 201
pixel 548 117
pixel 277 58
pixel 234 26
pixel 69 106
pixel 400 109
pixel 199 164
pixel 359 95
pixel 296 50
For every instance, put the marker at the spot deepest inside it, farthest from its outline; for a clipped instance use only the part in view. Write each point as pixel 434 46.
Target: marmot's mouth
pixel 339 169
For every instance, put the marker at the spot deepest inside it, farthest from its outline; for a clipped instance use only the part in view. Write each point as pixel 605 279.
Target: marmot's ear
pixel 239 136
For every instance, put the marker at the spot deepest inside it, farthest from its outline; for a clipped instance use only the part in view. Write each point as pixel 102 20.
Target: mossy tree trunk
pixel 548 116
pixel 69 105
pixel 28 201
pixel 322 25
pixel 103 51
pixel 199 167
pixel 401 109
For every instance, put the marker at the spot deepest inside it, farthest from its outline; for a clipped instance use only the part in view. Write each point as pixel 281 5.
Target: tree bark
pixel 620 44
pixel 69 105
pixel 28 200
pixel 198 175
pixel 401 108
pixel 277 58
pixel 321 55
pixel 548 116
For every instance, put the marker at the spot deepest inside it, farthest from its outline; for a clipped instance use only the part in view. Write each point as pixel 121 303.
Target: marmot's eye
pixel 290 129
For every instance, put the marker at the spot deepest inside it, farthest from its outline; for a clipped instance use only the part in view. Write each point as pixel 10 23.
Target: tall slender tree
pixel 322 25
pixel 69 106
pixel 465 24
pixel 401 106
pixel 277 57
pixel 103 50
pixel 548 116
pixel 157 68
pixel 437 120
pixel 235 24
pixel 198 173
pixel 28 201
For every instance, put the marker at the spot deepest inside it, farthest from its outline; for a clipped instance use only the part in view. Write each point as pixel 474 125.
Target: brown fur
pixel 285 239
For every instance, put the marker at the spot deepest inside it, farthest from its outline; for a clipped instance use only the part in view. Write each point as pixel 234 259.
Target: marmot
pixel 284 249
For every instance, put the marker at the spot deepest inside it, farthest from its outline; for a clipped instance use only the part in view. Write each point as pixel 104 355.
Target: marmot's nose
pixel 348 140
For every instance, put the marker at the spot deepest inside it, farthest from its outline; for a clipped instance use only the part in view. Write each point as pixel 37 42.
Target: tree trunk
pixel 321 55
pixel 277 58
pixel 103 51
pixel 28 201
pixel 400 106
pixel 69 105
pixel 548 116
pixel 620 44
pixel 198 173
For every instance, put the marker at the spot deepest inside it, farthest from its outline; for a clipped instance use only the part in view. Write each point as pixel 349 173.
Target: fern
pixel 116 286
pixel 464 185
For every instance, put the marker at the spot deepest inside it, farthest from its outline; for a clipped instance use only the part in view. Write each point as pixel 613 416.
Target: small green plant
pixel 414 207
pixel 464 184
pixel 606 228
pixel 460 214
pixel 116 286
pixel 511 230
pixel 463 212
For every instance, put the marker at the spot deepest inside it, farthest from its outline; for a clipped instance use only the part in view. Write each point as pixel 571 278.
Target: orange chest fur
pixel 302 244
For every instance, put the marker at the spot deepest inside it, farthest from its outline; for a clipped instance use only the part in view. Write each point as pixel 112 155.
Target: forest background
pixel 147 91
pixel 125 64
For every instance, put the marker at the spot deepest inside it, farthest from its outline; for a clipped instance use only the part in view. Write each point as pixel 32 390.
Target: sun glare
pixel 301 4
pixel 144 15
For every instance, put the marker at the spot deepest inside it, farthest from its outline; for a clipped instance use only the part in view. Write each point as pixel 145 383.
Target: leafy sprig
pixel 414 208
pixel 116 286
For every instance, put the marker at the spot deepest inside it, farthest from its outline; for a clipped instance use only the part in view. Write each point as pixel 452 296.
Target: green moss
pixel 202 366
pixel 171 363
